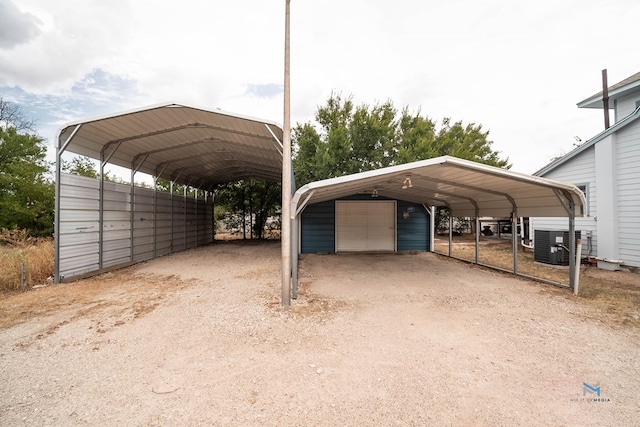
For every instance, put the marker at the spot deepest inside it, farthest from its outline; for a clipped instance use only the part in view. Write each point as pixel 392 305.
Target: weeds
pixel 16 248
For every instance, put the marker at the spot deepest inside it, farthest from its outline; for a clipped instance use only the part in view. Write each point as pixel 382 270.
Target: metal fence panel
pixel 160 224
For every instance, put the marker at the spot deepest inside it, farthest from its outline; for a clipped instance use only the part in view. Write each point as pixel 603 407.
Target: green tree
pixel 249 201
pixel 346 139
pixel 80 166
pixel 27 196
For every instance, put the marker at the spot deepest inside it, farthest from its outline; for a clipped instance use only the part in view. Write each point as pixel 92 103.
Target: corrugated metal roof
pixel 189 145
pixel 461 185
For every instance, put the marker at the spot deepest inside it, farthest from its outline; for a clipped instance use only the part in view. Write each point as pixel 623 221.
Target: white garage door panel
pixel 365 226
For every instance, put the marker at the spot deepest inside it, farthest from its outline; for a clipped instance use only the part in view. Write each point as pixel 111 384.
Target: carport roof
pixel 459 184
pixel 189 145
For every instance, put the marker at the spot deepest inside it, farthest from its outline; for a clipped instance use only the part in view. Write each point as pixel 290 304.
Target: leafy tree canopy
pixel 80 166
pixel 258 199
pixel 349 138
pixel 27 196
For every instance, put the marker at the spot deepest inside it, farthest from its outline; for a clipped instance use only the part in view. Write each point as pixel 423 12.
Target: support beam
pixel 285 238
pixel 450 232
pixel 60 150
pixel 514 238
pixel 101 212
pixel 295 251
pixel 572 251
pixel 477 227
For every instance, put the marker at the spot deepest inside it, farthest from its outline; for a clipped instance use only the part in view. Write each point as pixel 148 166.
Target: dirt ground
pixel 200 338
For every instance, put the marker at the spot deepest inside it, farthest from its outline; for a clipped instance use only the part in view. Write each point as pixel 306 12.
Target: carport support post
pixel 295 224
pixel 57 232
pixel 477 221
pixel 450 232
pixel 514 238
pixel 572 246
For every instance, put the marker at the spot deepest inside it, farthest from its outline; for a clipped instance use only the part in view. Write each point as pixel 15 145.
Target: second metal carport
pixel 101 225
pixel 467 188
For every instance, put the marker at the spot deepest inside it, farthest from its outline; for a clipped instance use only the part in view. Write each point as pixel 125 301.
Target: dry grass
pixel 16 249
pixel 615 293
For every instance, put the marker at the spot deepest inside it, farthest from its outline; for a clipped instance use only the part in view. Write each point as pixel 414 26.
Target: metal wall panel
pixel 318 228
pixel 413 225
pixel 159 224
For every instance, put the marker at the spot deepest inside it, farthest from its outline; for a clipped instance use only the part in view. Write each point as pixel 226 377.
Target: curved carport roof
pixel 467 188
pixel 184 144
pixel 187 145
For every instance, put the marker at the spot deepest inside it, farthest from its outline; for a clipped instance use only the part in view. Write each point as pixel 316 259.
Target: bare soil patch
pixel 616 293
pixel 199 338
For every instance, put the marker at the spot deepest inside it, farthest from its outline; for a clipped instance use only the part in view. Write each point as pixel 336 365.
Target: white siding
pixel 579 171
pixel 626 106
pixel 161 224
pixel 628 167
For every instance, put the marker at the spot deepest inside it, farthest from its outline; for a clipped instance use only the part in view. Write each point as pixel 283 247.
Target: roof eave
pixel 595 101
pixel 616 127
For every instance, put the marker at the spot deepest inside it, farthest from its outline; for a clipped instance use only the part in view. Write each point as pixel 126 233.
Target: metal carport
pixel 194 147
pixel 467 188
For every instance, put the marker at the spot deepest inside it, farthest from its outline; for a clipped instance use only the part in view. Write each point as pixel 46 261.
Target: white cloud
pixel 517 68
pixel 16 27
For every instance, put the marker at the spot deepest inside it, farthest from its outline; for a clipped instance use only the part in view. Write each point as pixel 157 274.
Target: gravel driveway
pixel 199 338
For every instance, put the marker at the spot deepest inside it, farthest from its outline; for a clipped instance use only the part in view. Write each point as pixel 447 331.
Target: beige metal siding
pixel 365 226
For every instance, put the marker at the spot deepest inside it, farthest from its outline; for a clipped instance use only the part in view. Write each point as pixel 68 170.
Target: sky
pixel 516 67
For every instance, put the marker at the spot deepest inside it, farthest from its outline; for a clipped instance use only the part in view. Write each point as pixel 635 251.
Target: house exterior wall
pixel 610 170
pixel 161 223
pixel 318 228
pixel 580 171
pixel 626 105
pixel 628 189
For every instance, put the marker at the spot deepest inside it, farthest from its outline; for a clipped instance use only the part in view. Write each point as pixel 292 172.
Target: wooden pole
pixel 605 98
pixel 285 237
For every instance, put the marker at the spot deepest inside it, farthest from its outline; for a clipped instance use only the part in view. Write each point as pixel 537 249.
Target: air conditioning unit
pixel 552 246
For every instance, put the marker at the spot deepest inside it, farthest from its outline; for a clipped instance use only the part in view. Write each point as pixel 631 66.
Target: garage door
pixel 365 226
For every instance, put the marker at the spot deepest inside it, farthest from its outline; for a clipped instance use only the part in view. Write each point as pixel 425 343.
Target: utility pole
pixel 285 235
pixel 605 99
